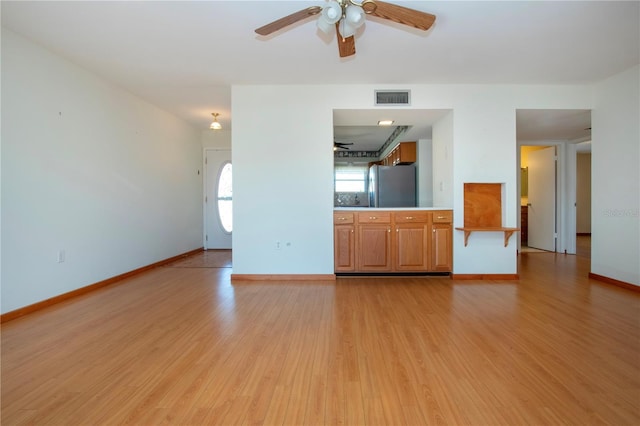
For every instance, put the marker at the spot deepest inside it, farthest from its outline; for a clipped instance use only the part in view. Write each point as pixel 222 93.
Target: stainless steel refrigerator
pixel 392 186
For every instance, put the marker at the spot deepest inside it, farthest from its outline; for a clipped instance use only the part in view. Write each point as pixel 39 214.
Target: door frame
pixel 565 193
pixel 205 188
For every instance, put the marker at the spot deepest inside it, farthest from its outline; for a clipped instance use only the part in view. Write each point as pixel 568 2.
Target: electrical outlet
pixel 278 245
pixel 61 256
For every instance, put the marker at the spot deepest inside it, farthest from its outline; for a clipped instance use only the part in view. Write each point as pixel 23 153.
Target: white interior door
pixel 542 199
pixel 218 199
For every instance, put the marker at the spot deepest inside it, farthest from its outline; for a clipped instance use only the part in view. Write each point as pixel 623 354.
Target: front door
pixel 218 199
pixel 542 199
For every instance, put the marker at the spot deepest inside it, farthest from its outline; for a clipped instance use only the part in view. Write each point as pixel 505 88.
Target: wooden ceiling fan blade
pixel 346 46
pixel 281 23
pixel 402 15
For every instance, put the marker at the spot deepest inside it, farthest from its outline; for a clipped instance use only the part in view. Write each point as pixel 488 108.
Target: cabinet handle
pixel 372 218
pixel 409 217
pixel 342 218
pixel 441 217
pixel 389 230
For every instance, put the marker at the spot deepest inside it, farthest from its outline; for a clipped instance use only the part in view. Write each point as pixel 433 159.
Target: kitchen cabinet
pixel 395 155
pixel 403 153
pixel 442 242
pixel 406 153
pixel 393 241
pixel 411 248
pixel 344 242
pixel 374 233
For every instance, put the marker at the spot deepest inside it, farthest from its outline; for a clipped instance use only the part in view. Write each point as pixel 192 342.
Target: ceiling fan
pixel 341 145
pixel 348 16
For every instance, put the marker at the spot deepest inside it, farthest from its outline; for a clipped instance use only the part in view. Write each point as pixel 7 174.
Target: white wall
pixel 216 139
pixel 89 169
pixel 443 162
pixel 615 155
pixel 283 164
pixel 282 180
pixel 424 173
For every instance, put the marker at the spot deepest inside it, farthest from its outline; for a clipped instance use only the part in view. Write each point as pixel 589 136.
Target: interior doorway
pixel 583 199
pixel 561 130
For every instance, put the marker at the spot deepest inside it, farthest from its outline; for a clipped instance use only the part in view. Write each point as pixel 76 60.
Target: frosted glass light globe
pixel 355 16
pixel 332 12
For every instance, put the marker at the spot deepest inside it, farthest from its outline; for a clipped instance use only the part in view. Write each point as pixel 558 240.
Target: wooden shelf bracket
pixel 508 232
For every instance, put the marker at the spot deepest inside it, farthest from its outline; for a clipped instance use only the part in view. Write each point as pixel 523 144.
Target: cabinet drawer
pixel 374 217
pixel 443 216
pixel 410 217
pixel 340 218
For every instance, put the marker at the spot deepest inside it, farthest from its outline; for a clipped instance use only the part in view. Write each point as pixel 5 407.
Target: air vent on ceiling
pixel 393 97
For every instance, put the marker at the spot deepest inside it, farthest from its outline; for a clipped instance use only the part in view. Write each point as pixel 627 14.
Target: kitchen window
pixel 350 178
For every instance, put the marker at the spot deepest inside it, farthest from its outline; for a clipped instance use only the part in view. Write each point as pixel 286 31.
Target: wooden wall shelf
pixel 483 210
pixel 508 232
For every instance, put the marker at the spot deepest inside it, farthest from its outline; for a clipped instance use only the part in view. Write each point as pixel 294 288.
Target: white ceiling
pixel 184 55
pixel 359 126
pixel 558 124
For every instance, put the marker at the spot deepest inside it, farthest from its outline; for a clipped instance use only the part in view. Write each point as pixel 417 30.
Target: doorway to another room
pixel 583 199
pixel 551 207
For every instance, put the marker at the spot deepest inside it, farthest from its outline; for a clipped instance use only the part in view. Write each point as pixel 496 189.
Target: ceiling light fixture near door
pixel 214 124
pixel 385 122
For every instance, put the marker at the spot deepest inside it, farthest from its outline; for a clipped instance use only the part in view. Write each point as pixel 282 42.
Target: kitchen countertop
pixel 356 208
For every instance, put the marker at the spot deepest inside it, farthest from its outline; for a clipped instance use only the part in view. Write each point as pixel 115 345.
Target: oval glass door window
pixel 225 198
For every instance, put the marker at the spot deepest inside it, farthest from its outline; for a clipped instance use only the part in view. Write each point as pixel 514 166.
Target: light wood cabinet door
pixel 407 153
pixel 374 248
pixel 441 247
pixel 344 242
pixel 344 248
pixel 395 154
pixel 411 241
pixel 411 247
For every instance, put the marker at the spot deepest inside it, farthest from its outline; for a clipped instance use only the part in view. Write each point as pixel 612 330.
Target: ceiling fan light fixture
pixel 354 15
pixel 346 29
pixel 385 122
pixel 331 13
pixel 215 125
pixel 324 26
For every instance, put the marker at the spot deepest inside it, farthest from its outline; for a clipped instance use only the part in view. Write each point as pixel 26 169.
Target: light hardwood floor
pixel 182 345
